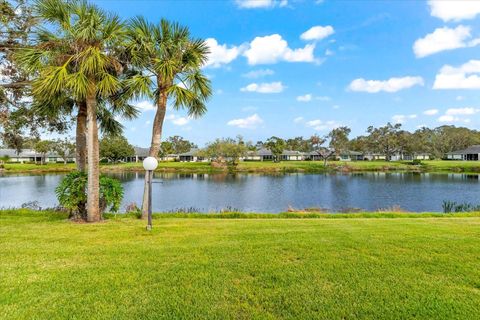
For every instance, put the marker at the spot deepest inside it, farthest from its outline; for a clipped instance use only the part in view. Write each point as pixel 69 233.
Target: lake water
pixel 268 193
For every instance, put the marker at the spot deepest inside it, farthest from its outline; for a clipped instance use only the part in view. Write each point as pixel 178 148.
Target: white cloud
pixel 221 54
pixel 317 33
pixel 145 105
pixel 464 77
pixel 250 122
pixel 319 125
pixel 178 121
pixel 258 73
pixel 430 112
pixel 305 98
pixel 444 39
pixel 272 49
pixel 461 111
pixel 298 119
pixel 458 115
pixel 256 4
pixel 454 10
pixel 402 118
pixel 272 87
pixel 390 85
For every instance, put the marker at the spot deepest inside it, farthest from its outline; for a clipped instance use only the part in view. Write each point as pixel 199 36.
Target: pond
pixel 267 193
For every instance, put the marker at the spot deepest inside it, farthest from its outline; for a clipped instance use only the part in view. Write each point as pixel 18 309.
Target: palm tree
pixel 88 68
pixel 170 62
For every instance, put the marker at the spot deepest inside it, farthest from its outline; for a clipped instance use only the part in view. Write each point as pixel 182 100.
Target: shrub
pixel 71 194
pixel 416 162
pixel 134 210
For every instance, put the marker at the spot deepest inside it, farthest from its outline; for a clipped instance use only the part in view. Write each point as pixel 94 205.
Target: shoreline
pixel 440 166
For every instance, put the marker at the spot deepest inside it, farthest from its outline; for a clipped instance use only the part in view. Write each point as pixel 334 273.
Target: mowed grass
pixel 423 268
pixel 268 167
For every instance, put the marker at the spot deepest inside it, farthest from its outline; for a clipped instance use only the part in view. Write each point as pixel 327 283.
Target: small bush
pixel 134 210
pixel 71 194
pixel 417 162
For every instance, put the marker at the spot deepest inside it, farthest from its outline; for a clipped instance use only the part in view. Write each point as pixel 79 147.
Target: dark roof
pixel 266 152
pixel 141 152
pixel 469 150
pixel 191 153
pixel 26 153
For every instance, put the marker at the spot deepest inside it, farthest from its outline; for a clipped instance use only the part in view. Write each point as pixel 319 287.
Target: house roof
pixel 266 152
pixel 191 153
pixel 469 150
pixel 141 152
pixel 25 153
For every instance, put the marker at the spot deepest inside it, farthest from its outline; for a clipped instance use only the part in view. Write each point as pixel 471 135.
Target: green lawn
pixel 270 167
pixel 360 268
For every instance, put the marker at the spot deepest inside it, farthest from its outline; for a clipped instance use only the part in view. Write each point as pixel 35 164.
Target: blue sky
pixel 296 68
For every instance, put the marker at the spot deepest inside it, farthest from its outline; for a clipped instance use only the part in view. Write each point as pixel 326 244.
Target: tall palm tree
pixel 88 69
pixel 170 61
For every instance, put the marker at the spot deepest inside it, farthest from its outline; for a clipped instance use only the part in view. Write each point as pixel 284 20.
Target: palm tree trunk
pixel 154 145
pixel 93 188
pixel 81 136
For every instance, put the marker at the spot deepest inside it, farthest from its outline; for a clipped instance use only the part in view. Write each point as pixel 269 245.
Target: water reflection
pixel 268 193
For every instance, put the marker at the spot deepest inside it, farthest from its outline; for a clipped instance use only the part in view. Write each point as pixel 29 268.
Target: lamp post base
pixel 148 228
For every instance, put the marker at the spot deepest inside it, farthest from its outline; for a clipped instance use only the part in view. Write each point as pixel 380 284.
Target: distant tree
pixel 385 139
pixel 276 145
pixel 64 148
pixel 225 151
pixel 180 145
pixel 4 159
pixel 43 147
pixel 115 148
pixel 316 141
pixel 299 144
pixel 166 147
pixel 339 139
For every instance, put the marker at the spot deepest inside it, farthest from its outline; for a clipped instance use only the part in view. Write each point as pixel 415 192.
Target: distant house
pixel 140 154
pixel 29 155
pixel 191 156
pixel 351 156
pixel 472 153
pixel 266 155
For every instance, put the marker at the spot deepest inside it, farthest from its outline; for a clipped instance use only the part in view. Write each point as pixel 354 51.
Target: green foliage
pixel 276 145
pixel 71 193
pixel 115 148
pixel 227 151
pixel 176 145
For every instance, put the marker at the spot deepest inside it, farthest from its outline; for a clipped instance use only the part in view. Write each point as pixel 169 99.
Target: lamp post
pixel 149 164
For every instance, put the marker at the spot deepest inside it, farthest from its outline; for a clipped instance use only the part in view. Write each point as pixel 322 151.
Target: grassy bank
pixel 239 268
pixel 270 167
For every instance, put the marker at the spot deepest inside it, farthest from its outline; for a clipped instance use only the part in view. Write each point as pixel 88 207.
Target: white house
pixel 472 153
pixel 29 155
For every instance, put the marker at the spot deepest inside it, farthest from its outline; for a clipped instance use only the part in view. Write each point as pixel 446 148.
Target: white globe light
pixel 150 163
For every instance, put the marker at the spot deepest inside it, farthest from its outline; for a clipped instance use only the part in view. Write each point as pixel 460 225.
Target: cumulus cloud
pixel 220 54
pixel 145 105
pixel 454 10
pixel 317 33
pixel 402 118
pixel 464 77
pixel 458 114
pixel 272 87
pixel 305 98
pixel 250 122
pixel 178 121
pixel 272 49
pixel 258 73
pixel 443 39
pixel 256 4
pixel 430 112
pixel 320 125
pixel 390 85
pixel 298 119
